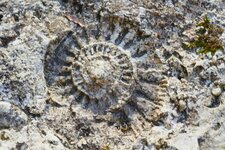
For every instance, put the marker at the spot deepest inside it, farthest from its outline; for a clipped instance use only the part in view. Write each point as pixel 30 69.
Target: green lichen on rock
pixel 207 37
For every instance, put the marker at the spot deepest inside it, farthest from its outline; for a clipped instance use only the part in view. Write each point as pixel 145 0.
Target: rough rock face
pixel 100 75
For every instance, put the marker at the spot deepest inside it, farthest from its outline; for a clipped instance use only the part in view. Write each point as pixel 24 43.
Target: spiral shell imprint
pixel 95 66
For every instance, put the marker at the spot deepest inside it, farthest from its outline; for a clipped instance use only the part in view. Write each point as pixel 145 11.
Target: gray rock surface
pixel 106 74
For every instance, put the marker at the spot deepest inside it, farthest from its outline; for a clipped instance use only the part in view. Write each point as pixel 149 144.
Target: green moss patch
pixel 207 37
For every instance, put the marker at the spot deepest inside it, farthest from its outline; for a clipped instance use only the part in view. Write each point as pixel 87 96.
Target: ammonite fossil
pixel 95 66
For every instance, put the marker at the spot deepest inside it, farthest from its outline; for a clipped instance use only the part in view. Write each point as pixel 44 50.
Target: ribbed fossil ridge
pixel 96 68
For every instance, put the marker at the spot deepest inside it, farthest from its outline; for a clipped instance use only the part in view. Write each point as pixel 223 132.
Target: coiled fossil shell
pixel 95 66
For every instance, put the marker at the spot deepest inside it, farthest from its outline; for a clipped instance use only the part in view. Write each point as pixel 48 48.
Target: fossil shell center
pixel 100 71
pixel 100 68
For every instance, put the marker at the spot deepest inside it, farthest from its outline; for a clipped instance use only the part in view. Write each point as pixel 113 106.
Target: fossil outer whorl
pixel 95 67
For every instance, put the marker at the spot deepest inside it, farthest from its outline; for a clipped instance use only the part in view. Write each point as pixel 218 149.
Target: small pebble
pixel 182 105
pixel 216 91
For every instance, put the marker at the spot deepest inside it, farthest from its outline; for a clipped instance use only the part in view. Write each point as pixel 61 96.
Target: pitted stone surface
pixel 84 74
pixel 11 116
